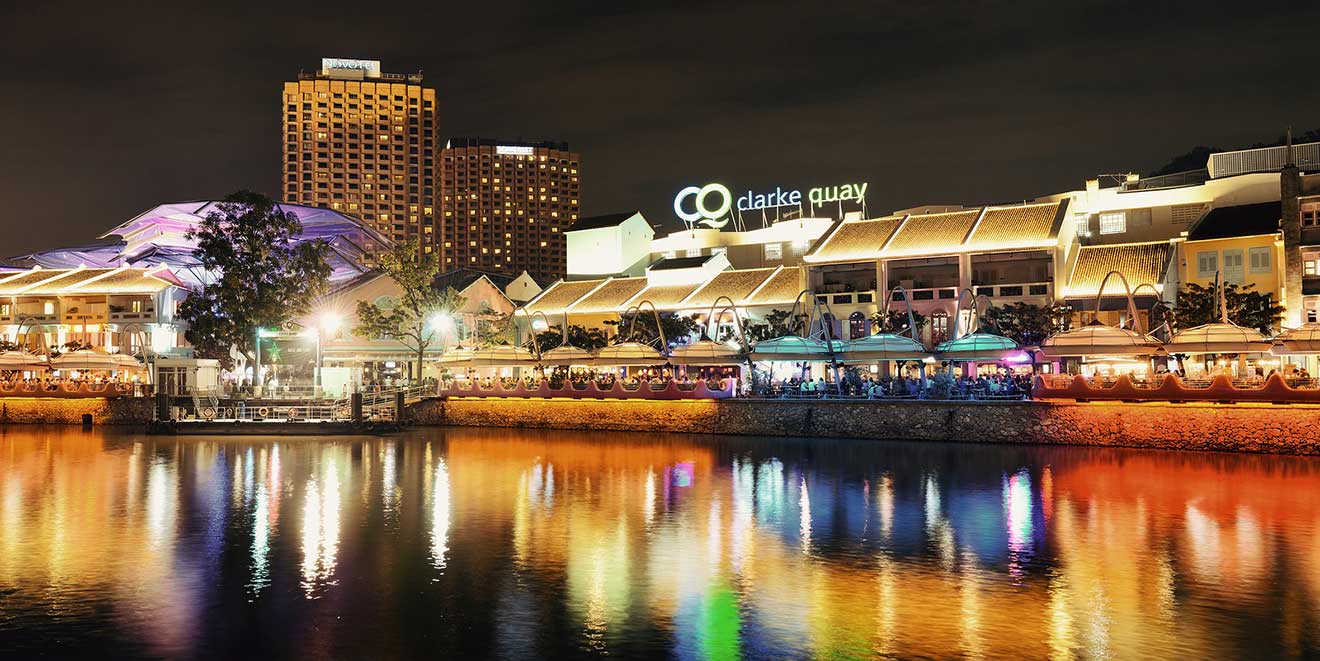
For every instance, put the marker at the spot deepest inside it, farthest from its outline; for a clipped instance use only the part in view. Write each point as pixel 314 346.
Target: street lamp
pixel 329 323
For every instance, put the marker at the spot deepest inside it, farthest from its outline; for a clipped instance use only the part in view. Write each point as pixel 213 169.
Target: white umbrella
pixel 126 362
pixel 566 355
pixel 21 360
pixel 706 352
pixel 629 353
pixel 84 359
pixel 978 346
pixel 1304 339
pixel 883 347
pixel 504 355
pixel 1218 337
pixel 1097 339
pixel 792 347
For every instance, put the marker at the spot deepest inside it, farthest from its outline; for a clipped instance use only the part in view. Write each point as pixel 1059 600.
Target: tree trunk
pixel 421 353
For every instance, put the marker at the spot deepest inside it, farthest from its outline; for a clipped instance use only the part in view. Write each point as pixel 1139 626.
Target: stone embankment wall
pixel 59 411
pixel 1241 428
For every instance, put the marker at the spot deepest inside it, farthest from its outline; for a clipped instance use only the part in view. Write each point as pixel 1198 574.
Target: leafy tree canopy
pixel 1198 305
pixel 678 329
pixel 590 339
pixel 263 276
pixel 1025 323
pixel 423 312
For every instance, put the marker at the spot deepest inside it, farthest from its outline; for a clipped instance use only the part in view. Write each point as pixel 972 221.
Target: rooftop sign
pixel 369 68
pixel 710 204
pixel 514 150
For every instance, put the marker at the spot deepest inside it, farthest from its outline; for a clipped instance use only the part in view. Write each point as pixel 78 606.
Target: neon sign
pixel 712 217
pixel 711 203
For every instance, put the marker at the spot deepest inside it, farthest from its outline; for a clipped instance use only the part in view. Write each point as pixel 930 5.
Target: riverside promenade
pixel 1244 427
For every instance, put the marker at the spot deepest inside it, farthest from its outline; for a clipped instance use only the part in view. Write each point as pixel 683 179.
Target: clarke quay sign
pixel 710 204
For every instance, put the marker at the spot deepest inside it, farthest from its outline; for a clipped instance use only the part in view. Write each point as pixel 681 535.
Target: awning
pixel 1304 339
pixel 883 347
pixel 1097 339
pixel 792 347
pixel 1218 337
pixel 978 346
pixel 629 353
pixel 566 354
pixel 22 360
pixel 706 352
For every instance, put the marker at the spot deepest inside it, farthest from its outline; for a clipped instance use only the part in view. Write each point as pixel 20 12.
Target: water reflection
pixel 472 543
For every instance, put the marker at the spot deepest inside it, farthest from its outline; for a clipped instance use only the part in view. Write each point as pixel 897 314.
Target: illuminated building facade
pixel 505 206
pixel 362 142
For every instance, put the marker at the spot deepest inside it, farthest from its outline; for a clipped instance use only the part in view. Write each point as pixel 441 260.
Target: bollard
pixel 398 406
pixel 87 419
pixel 162 406
pixel 355 406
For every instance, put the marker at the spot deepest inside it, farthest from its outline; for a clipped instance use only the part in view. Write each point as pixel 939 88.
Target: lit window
pixel 1113 223
pixel 774 252
pixel 692 252
pixel 48 308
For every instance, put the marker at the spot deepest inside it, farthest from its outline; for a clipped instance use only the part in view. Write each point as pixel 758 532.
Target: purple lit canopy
pixel 157 237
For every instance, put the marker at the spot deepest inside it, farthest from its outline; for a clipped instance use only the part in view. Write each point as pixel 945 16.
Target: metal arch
pixel 1158 304
pixel 45 350
pixel 536 345
pixel 912 322
pixel 140 331
pixel 659 327
pixel 958 310
pixel 1127 289
pixel 826 329
pixel 737 321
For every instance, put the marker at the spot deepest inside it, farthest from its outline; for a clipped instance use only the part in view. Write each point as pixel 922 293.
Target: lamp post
pixel 329 323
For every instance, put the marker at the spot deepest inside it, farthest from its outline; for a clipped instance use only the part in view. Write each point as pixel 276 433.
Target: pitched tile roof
pixel 47 282
pixel 934 233
pixel 664 297
pixel 782 287
pixel 610 297
pixel 855 241
pixel 1010 227
pixel 562 294
pixel 1140 263
pixel 734 284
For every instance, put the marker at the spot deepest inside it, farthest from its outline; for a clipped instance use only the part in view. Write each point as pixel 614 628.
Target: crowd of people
pixel 52 383
pixel 604 380
pixel 907 386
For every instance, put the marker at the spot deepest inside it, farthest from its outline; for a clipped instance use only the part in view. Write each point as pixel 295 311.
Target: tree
pixel 590 339
pixel 263 275
pixel 1024 323
pixel 896 321
pixel 778 323
pixel 678 329
pixel 1198 305
pixel 423 309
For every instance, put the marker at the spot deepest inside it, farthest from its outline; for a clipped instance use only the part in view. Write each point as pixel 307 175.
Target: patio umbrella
pixel 1097 339
pixel 629 353
pixel 503 355
pixel 1218 337
pixel 566 354
pixel 883 347
pixel 85 359
pixel 1304 339
pixel 706 352
pixel 455 356
pixel 792 347
pixel 125 362
pixel 21 361
pixel 978 346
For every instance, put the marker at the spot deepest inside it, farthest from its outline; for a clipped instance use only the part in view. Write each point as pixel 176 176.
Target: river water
pixel 526 544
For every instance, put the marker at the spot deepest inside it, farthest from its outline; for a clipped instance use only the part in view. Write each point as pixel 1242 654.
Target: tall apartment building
pixel 363 142
pixel 505 205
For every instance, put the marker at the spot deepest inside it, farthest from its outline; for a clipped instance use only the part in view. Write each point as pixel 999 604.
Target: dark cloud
pixel 110 108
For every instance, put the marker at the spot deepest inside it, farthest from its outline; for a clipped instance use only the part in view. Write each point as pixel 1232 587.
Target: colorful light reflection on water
pixel 505 543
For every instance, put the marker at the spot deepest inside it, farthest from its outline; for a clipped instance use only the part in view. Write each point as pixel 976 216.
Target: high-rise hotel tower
pixel 363 142
pixel 505 205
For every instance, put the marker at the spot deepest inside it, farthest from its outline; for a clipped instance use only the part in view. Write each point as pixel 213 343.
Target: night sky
pixel 108 110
